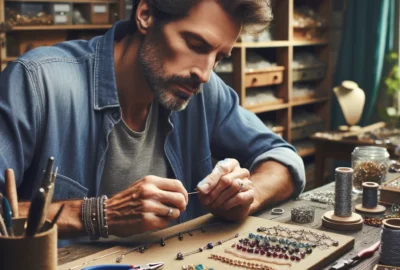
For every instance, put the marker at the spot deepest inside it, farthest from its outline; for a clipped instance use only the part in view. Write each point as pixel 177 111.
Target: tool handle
pixel 368 252
pixel 11 191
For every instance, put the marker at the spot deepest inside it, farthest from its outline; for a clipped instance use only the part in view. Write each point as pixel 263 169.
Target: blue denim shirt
pixel 62 101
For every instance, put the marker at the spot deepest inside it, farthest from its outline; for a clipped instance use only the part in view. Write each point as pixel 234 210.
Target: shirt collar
pixel 105 86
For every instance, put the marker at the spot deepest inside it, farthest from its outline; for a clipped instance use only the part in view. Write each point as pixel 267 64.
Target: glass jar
pixel 370 164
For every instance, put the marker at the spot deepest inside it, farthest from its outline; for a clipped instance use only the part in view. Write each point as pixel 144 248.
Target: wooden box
pixel 308 73
pixel 98 14
pixel 390 192
pixel 264 77
pixel 19 43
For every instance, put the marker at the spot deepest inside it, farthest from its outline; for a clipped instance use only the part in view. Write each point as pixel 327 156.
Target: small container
pixel 62 13
pixel 34 253
pixel 370 164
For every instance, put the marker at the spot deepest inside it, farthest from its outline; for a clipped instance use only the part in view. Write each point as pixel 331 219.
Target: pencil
pixel 11 192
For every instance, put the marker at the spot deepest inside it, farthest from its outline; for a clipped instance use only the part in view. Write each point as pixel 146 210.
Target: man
pixel 137 114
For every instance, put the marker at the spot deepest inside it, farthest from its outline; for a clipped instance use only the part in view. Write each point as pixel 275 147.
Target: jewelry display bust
pixel 351 100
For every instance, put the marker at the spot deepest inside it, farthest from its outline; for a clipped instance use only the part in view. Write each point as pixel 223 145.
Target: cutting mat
pixel 167 254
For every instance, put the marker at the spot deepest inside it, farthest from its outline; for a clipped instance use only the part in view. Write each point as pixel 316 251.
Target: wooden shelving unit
pixel 281 50
pixel 69 31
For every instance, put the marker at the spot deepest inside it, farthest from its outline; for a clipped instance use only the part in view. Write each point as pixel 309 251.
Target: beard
pixel 162 86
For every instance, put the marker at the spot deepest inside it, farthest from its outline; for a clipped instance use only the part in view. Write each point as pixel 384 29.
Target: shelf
pixel 64 1
pixel 8 59
pixel 309 101
pixel 61 27
pixel 266 107
pixel 264 44
pixel 309 42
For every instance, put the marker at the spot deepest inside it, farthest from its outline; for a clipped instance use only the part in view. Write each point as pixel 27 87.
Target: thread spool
pixel 390 242
pixel 342 217
pixel 343 187
pixel 370 199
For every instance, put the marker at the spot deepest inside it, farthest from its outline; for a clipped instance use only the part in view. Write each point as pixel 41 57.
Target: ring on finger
pixel 169 212
pixel 241 185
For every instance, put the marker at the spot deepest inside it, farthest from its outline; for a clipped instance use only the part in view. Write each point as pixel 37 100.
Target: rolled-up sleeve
pixel 289 159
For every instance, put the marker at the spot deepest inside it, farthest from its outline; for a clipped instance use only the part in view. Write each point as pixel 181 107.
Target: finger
pixel 152 222
pixel 238 185
pixel 167 184
pixel 174 199
pixel 222 168
pixel 160 210
pixel 241 198
pixel 225 183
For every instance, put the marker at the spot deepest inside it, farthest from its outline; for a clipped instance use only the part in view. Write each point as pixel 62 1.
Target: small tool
pixel 7 216
pixel 363 254
pixel 148 266
pixel 194 192
pixel 35 213
pixel 11 191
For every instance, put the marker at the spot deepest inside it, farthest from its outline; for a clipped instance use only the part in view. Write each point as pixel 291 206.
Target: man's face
pixel 178 57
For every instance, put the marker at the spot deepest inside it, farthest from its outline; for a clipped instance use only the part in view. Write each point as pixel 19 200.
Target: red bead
pixel 262 252
pixel 269 254
pixel 297 258
pixel 250 250
pixel 292 258
pixel 257 251
pixel 277 249
pixel 239 247
pixel 244 249
pixel 286 257
pixel 274 254
pixel 280 256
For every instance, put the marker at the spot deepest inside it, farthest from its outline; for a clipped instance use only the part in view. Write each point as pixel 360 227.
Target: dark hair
pixel 254 15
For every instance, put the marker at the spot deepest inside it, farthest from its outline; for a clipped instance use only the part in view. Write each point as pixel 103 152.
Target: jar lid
pixel 371 150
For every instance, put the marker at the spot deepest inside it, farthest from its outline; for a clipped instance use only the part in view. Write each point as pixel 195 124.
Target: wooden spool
pixel 351 223
pixel 377 209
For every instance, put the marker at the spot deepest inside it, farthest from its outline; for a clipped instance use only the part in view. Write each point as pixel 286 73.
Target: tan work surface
pixel 167 254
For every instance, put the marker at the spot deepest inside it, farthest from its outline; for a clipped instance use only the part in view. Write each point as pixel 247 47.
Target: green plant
pixel 391 82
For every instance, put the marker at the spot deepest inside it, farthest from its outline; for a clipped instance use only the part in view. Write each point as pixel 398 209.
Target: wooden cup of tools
pixel 38 252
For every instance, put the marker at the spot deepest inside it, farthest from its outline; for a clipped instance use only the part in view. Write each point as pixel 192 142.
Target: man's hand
pixel 145 206
pixel 227 191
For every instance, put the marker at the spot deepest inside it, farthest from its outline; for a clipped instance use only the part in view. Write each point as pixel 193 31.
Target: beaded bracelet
pixel 94 217
pixel 248 265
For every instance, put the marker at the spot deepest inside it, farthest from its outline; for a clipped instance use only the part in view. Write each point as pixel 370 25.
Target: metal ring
pixel 169 212
pixel 277 211
pixel 241 185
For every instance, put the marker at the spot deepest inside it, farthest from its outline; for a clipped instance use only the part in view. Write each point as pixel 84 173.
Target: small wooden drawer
pixel 99 14
pixel 304 132
pixel 264 78
pixel 18 43
pixel 308 74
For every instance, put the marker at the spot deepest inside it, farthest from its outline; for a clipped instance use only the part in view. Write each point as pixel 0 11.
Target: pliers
pixel 349 263
pixel 148 266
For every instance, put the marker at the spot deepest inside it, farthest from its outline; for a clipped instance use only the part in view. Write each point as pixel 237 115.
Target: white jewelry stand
pixel 351 100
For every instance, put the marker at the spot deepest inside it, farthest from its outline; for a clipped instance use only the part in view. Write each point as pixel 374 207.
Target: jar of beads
pixel 370 164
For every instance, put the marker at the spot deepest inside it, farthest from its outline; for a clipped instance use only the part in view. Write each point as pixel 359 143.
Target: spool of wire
pixel 370 194
pixel 343 187
pixel 303 214
pixel 390 242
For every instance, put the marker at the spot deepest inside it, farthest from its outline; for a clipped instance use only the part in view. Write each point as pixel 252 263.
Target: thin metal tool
pixel 194 192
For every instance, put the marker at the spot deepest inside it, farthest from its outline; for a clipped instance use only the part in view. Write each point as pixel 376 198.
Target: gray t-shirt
pixel 132 155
